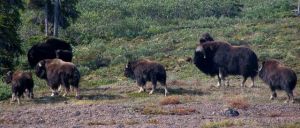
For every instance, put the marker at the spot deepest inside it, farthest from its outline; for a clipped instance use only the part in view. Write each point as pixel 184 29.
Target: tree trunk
pixel 298 8
pixel 56 17
pixel 46 18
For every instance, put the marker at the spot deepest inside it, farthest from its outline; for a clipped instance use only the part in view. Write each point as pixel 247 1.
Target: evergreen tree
pixel 10 44
pixel 57 13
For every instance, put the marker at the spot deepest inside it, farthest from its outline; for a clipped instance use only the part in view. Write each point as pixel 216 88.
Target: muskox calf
pixel 58 72
pixel 146 70
pixel 222 59
pixel 20 82
pixel 278 77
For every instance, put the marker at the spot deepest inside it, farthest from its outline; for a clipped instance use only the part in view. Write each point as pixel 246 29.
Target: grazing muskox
pixel 20 82
pixel 58 72
pixel 222 59
pixel 278 77
pixel 146 70
pixel 48 50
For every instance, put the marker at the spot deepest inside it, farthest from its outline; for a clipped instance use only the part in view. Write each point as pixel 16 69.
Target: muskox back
pixel 47 50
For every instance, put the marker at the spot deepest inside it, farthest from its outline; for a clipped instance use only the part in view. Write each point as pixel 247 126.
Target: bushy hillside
pixel 111 32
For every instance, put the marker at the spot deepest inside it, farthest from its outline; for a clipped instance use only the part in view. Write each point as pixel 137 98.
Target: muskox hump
pixel 47 50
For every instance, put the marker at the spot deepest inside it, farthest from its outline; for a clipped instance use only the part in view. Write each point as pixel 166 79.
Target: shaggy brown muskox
pixel 58 72
pixel 146 70
pixel 222 59
pixel 47 50
pixel 278 77
pixel 20 82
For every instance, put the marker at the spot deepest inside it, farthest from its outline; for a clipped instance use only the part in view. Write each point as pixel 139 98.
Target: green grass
pixel 5 91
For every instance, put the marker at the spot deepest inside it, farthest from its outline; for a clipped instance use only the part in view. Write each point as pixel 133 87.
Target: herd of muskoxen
pixel 52 61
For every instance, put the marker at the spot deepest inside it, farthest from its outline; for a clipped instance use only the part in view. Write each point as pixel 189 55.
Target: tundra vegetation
pixel 106 34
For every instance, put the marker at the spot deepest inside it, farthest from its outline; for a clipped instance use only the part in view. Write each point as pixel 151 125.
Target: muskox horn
pixel 40 65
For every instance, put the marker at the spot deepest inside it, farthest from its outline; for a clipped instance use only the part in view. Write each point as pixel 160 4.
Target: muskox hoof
pixel 272 98
pixel 141 90
pixel 151 92
pixel 54 94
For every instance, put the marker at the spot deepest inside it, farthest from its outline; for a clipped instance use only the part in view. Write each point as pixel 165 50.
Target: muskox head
pixel 128 71
pixel 40 69
pixel 8 77
pixel 205 38
pixel 268 65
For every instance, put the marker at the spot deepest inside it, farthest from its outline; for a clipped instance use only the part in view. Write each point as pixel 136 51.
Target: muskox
pixel 278 77
pixel 20 82
pixel 48 50
pixel 146 70
pixel 222 59
pixel 58 72
pixel 65 55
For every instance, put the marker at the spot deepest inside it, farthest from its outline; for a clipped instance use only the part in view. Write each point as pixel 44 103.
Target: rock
pixel 231 112
pixel 77 113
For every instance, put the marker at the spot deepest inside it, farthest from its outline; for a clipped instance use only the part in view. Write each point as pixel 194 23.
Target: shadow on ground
pixel 183 91
pixel 50 99
pixel 100 97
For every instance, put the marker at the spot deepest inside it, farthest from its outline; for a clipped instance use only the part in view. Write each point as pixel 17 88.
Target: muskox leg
pixel 243 82
pixel 290 97
pixel 54 92
pixel 77 92
pixel 67 90
pixel 165 88
pixel 154 83
pixel 252 79
pixel 18 99
pixel 13 96
pixel 141 83
pixel 273 95
pixel 30 93
pixel 221 78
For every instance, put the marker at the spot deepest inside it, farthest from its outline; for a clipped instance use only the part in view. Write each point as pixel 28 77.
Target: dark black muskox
pixel 47 50
pixel 278 77
pixel 222 59
pixel 146 70
pixel 20 82
pixel 65 55
pixel 58 72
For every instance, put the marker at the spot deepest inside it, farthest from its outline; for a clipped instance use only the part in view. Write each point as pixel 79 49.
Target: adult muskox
pixel 58 72
pixel 48 50
pixel 146 70
pixel 278 77
pixel 222 59
pixel 20 82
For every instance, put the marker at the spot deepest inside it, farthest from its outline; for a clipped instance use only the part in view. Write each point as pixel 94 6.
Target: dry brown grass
pixel 153 121
pixel 153 110
pixel 274 114
pixel 182 111
pixel 239 103
pixel 131 122
pixel 170 100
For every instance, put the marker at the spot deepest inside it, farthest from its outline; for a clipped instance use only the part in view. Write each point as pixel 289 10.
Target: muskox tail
pixel 75 78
